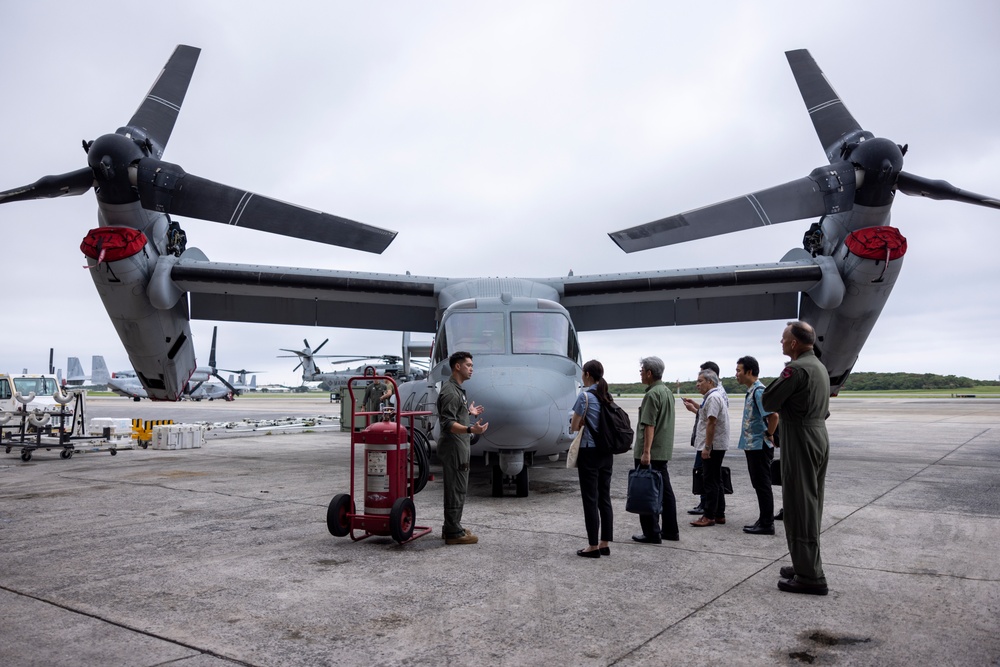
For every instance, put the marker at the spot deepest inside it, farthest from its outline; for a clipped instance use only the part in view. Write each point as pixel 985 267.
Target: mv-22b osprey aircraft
pixel 522 331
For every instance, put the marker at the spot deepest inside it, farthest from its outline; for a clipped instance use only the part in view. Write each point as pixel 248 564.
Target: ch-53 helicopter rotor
pixel 863 170
pixel 126 167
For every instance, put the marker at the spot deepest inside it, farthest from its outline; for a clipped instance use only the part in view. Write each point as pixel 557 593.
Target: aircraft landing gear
pixel 507 468
pixel 497 481
pixel 521 483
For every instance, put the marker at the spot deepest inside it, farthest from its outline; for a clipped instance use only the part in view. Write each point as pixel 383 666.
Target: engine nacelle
pixel 158 340
pixel 869 260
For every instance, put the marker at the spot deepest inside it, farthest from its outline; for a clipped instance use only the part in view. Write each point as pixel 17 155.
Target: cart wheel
pixel 26 455
pixel 402 519
pixel 143 444
pixel 497 479
pixel 114 452
pixel 337 520
pixel 66 454
pixel 8 450
pixel 522 482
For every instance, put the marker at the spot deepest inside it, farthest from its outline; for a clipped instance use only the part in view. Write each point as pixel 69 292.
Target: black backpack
pixel 614 430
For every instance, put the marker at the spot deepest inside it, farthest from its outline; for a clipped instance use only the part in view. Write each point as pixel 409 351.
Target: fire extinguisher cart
pixel 388 459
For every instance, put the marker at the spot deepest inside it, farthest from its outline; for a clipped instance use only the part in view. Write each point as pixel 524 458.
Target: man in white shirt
pixel 711 441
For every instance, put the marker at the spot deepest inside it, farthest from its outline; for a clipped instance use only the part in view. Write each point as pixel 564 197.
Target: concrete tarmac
pixel 221 555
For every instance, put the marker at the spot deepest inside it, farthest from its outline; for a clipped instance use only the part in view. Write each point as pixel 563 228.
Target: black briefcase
pixel 698 484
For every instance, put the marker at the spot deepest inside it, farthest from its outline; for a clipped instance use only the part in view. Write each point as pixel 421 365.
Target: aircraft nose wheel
pixel 520 482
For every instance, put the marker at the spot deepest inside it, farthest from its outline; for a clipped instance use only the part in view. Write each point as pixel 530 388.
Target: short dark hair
pixel 749 365
pixel 710 366
pixel 457 358
pixel 803 332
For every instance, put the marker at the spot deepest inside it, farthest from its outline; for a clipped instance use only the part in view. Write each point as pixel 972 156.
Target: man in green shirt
pixel 453 447
pixel 654 447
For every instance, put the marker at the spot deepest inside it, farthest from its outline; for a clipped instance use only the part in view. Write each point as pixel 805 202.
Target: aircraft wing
pixel 311 297
pixel 688 296
pixel 315 297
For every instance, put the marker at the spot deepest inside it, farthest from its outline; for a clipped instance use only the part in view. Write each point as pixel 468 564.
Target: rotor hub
pixel 110 157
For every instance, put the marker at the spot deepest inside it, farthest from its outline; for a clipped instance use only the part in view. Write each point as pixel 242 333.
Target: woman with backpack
pixel 594 464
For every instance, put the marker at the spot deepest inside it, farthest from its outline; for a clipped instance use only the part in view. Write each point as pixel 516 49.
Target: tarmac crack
pixel 125 626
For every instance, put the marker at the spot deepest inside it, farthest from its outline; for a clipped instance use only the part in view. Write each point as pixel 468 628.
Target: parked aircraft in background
pixel 410 365
pixel 74 372
pixel 199 387
pixel 522 331
pixel 239 383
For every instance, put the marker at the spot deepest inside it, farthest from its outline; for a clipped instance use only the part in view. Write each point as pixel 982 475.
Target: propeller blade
pixel 223 381
pixel 831 119
pixel 211 354
pixel 63 185
pixel 167 188
pixel 918 186
pixel 321 346
pixel 157 113
pixel 826 190
pixel 297 367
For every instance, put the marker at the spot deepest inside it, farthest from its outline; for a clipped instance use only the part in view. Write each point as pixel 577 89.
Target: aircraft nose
pixel 522 405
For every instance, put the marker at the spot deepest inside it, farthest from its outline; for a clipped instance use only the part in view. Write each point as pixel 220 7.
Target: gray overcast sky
pixel 507 139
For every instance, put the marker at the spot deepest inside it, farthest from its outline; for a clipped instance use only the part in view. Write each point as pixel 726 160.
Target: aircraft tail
pixel 253 382
pixel 74 371
pixel 99 374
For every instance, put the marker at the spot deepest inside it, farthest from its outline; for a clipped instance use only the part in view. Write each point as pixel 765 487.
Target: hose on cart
pixel 421 450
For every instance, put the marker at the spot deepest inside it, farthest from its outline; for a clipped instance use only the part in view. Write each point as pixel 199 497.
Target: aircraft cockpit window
pixel 475 333
pixel 4 390
pixel 540 333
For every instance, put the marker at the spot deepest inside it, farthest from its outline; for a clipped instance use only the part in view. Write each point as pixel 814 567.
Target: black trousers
pixel 759 467
pixel 697 464
pixel 715 498
pixel 651 522
pixel 595 489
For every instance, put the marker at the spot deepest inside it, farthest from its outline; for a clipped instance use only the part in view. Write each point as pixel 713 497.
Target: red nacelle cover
pixel 109 244
pixel 877 243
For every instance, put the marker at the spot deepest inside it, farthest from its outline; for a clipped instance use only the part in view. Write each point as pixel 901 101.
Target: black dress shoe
pixel 697 510
pixel 605 551
pixel 787 572
pixel 780 516
pixel 644 539
pixel 758 529
pixel 596 553
pixel 794 586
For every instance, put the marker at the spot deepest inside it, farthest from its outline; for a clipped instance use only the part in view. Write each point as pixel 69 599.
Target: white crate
pixel 178 436
pixel 119 427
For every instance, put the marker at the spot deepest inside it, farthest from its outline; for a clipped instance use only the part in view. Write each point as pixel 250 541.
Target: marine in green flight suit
pixel 801 397
pixel 453 446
